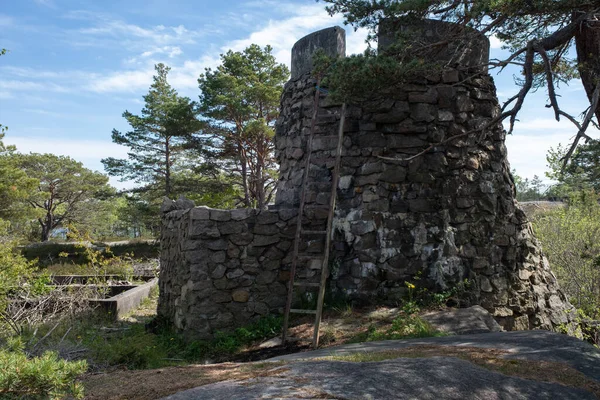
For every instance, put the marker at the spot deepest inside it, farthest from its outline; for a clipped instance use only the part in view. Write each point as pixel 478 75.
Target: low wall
pixel 222 269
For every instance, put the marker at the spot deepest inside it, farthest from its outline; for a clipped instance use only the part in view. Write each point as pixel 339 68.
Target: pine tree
pixel 240 100
pixel 165 138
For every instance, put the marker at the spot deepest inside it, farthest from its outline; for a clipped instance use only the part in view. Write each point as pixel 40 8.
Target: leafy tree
pixel 540 34
pixel 578 176
pixel 15 185
pixel 240 100
pixel 163 138
pixel 528 190
pixel 64 185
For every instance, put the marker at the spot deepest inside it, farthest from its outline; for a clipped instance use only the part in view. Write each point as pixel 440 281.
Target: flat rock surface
pixel 462 321
pixel 437 377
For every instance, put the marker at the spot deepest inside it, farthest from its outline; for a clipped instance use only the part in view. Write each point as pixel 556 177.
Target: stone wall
pixel 222 269
pixel 445 216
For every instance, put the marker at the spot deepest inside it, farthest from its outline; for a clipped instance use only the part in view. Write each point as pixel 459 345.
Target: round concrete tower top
pixel 438 40
pixel 331 40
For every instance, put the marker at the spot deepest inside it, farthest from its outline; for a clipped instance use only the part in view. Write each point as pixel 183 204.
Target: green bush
pixel 570 238
pixel 44 377
pixel 15 270
pixel 137 250
pixel 50 253
pixel 138 349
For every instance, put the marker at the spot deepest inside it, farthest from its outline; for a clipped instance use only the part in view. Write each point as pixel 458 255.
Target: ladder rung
pixel 299 311
pixel 309 284
pixel 314 232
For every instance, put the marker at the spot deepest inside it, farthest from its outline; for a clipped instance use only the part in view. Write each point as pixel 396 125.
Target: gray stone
pixel 331 40
pixel 423 112
pixel 183 204
pixel 199 213
pixel 261 240
pixel 220 215
pixel 235 273
pixel 167 205
pixel 218 272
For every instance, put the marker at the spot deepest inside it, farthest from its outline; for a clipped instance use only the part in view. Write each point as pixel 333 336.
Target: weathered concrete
pixel 122 303
pixel 452 44
pixel 331 40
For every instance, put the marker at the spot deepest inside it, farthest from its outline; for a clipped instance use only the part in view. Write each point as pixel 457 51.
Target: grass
pixel 127 343
pixel 404 326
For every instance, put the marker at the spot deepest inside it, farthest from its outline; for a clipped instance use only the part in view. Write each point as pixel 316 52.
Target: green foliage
pixel 166 143
pixel 581 173
pixel 571 240
pixel 548 28
pixel 528 190
pixel 44 377
pixel 408 325
pixel 138 349
pixel 15 271
pixel 15 186
pixel 64 187
pixel 240 100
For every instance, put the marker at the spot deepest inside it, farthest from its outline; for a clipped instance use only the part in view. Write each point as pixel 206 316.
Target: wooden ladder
pixel 327 233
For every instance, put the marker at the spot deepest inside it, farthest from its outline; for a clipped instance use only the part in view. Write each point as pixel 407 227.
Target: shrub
pixel 38 377
pixel 15 270
pixel 570 238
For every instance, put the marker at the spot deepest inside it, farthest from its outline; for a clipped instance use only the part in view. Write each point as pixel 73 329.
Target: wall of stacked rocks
pixel 447 215
pixel 222 269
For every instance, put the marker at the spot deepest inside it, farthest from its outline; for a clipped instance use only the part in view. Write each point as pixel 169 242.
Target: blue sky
pixel 74 66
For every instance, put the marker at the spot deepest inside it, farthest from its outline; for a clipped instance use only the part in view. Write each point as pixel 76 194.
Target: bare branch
pixel 584 126
pixel 549 80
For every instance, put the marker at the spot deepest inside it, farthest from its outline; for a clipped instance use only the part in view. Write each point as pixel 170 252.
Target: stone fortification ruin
pixel 445 216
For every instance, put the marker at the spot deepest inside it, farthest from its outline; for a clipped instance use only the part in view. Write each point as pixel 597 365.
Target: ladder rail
pixel 328 238
pixel 288 304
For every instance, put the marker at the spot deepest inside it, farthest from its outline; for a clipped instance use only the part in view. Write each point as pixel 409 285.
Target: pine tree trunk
pixel 46 227
pixel 587 41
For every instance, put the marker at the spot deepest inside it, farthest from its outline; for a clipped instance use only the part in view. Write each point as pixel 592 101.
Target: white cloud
pixel 123 81
pixel 169 51
pixel 20 85
pixel 495 43
pixel 542 124
pixel 157 35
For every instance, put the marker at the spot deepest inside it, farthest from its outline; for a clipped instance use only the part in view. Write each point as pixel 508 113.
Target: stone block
pixel 220 215
pixel 200 213
pixel 422 112
pixel 430 96
pixel 262 240
pixel 240 296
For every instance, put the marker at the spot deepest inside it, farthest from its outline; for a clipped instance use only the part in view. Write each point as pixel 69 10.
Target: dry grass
pixel 492 359
pixel 158 383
